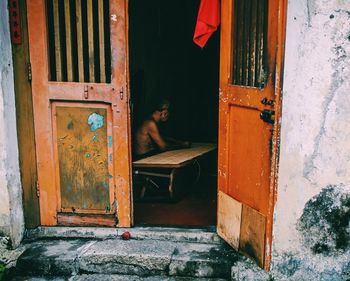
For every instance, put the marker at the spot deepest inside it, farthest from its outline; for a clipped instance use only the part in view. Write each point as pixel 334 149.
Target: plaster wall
pixel 11 210
pixel 311 224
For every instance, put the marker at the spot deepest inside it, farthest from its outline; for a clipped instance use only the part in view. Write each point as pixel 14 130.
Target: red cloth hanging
pixel 208 21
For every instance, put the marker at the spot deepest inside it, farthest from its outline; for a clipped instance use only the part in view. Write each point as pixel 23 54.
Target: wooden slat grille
pixel 250 33
pixel 79 41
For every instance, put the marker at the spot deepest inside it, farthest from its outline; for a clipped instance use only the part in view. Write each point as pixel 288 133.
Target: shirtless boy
pixel 148 140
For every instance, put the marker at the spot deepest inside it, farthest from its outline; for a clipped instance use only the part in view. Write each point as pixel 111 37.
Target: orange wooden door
pixel 250 71
pixel 78 63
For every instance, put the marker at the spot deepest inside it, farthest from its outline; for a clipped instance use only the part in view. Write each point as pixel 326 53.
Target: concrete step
pixel 175 234
pixel 147 257
pixel 104 277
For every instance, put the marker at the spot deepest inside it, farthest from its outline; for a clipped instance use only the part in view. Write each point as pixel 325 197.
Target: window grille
pixel 79 41
pixel 250 35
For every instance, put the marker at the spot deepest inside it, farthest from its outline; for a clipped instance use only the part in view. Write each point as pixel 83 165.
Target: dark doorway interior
pixel 164 62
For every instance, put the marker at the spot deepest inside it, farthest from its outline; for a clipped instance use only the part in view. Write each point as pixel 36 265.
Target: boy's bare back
pixel 148 138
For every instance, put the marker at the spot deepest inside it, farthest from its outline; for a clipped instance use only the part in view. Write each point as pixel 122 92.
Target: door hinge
pixel 29 71
pixel 121 93
pixel 37 188
pixel 86 91
pixel 266 101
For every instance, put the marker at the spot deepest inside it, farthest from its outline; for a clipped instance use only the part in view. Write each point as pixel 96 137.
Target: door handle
pixel 268 116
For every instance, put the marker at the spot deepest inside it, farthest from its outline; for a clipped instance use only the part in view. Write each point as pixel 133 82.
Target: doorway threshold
pixel 205 235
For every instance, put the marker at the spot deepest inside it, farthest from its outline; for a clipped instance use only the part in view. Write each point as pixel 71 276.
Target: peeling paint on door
pixel 96 121
pixel 83 161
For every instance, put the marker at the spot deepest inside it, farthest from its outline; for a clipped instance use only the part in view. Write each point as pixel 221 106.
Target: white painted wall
pixel 11 209
pixel 315 139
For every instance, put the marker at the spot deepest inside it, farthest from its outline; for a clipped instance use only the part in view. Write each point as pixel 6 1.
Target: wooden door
pixel 252 38
pixel 78 64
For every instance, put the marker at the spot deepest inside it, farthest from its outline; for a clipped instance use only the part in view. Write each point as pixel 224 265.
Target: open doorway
pixel 165 63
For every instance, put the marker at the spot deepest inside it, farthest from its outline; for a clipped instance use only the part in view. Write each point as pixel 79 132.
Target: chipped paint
pixel 95 121
pixel 85 164
pixel 70 125
pixel 95 137
pixel 110 141
pixel 110 157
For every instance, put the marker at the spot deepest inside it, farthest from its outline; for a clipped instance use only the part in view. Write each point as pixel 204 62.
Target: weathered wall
pixel 11 210
pixel 311 228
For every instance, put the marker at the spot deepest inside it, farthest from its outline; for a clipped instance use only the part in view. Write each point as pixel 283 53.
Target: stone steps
pixel 175 234
pixel 104 277
pixel 139 258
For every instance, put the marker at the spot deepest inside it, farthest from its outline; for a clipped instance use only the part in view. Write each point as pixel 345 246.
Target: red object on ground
pixel 208 21
pixel 126 235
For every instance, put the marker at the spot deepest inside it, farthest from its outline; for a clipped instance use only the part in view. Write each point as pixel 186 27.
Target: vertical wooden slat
pixel 235 49
pixel 68 41
pixel 57 41
pixel 108 40
pixel 260 42
pixel 246 42
pixel 252 50
pixel 91 41
pixel 239 44
pixel 101 41
pixel 79 40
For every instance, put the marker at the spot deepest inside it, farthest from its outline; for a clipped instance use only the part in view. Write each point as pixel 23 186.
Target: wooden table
pixel 172 163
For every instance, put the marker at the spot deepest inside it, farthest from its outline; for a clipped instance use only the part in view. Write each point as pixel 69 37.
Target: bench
pixel 173 165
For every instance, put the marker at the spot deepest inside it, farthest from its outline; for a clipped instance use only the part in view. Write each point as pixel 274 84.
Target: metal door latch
pixel 268 116
pixel 266 101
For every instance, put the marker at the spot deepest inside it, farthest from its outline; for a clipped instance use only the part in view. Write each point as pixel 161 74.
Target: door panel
pixel 252 234
pixel 85 164
pixel 252 34
pixel 251 154
pixel 78 58
pixel 229 219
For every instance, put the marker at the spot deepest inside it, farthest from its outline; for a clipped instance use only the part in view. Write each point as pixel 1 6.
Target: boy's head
pixel 162 108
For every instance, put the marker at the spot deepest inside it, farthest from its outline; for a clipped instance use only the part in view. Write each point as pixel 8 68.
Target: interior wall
pixel 11 210
pixel 164 62
pixel 312 214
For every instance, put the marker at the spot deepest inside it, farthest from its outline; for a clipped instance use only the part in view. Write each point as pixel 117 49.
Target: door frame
pixel 279 72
